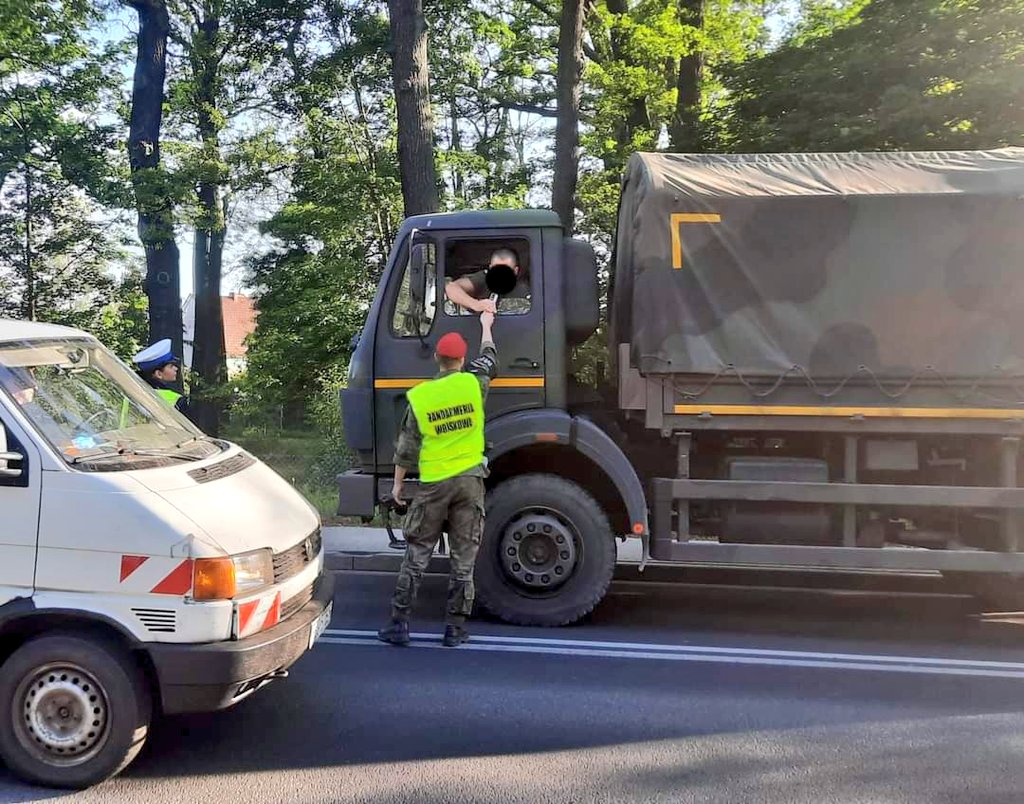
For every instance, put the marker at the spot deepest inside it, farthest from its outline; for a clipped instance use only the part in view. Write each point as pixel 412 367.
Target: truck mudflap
pixel 212 676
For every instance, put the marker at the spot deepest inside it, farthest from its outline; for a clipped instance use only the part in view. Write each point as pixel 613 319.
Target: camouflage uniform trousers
pixel 458 501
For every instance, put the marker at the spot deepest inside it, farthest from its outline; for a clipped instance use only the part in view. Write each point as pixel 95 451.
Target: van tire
pixel 72 673
pixel 569 509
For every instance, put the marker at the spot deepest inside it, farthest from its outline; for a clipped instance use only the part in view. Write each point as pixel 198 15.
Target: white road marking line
pixel 567 645
pixel 694 653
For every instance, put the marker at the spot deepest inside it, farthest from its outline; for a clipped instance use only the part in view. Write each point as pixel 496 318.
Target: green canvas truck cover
pixel 898 265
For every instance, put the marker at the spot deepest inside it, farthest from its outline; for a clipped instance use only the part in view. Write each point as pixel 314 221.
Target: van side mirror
pixel 7 458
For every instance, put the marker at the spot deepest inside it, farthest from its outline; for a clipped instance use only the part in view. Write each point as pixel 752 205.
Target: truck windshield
pixel 94 411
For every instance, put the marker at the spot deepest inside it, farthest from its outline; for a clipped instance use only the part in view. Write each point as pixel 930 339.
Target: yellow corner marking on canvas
pixel 676 221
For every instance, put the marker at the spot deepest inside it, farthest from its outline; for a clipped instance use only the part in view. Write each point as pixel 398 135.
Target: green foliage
pixel 948 76
pixel 496 62
pixel 331 237
pixel 59 169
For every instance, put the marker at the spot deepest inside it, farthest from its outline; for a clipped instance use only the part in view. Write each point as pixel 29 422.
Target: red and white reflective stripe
pixel 157 575
pixel 258 614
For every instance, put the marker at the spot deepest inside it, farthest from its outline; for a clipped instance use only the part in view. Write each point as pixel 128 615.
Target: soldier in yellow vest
pixel 159 367
pixel 442 437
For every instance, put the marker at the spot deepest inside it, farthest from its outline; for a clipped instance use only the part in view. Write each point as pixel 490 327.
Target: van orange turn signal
pixel 213 579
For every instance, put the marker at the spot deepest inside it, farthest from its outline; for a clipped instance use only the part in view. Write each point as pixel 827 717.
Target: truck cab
pixel 144 567
pixel 559 485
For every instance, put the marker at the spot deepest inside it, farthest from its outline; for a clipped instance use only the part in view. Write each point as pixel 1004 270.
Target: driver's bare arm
pixel 460 292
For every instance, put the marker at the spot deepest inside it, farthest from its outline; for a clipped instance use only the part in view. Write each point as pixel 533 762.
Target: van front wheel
pixel 548 553
pixel 73 711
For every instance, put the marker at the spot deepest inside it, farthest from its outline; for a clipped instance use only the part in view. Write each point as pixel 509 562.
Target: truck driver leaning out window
pixel 470 292
pixel 442 437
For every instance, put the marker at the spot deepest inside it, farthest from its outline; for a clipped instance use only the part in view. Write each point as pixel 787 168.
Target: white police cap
pixel 155 356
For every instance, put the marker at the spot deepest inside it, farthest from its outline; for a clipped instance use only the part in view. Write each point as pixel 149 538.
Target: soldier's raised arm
pixel 485 367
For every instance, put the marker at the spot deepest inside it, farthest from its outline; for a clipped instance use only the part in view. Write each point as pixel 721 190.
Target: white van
pixel 144 567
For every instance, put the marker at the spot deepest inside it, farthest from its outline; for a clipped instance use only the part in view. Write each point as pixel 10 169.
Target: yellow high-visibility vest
pixel 169 396
pixel 450 414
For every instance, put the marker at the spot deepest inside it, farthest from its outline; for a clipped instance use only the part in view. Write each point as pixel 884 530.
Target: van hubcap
pixel 63 714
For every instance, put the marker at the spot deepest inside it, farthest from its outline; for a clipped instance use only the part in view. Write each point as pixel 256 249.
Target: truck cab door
pixel 411 321
pixel 403 342
pixel 20 496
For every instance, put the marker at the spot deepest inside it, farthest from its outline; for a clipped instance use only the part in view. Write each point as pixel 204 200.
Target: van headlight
pixel 232 576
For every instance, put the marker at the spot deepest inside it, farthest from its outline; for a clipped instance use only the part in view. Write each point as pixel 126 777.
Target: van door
pixel 20 496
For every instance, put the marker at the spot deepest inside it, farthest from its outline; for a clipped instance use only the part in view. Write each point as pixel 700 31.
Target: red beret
pixel 452 345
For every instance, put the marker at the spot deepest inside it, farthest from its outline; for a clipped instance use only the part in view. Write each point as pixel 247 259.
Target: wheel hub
pixel 63 715
pixel 538 550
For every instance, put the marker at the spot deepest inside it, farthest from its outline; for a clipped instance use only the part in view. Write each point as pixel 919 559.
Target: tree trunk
pixel 411 75
pixel 208 352
pixel 154 207
pixel 567 125
pixel 685 132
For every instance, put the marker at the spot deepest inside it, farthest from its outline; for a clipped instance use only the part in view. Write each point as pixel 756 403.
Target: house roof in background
pixel 239 323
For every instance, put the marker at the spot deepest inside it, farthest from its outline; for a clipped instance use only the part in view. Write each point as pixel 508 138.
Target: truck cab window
pixel 467 263
pixel 413 318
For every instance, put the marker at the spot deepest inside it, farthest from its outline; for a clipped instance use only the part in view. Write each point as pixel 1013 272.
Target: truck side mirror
pixel 418 274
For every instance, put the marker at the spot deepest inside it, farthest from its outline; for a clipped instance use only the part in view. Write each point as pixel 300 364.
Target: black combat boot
pixel 454 635
pixel 397 633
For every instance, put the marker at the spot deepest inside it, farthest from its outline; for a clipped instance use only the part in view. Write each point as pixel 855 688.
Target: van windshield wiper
pixel 160 453
pixel 146 453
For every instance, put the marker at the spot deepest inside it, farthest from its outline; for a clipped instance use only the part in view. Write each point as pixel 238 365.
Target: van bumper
pixel 216 675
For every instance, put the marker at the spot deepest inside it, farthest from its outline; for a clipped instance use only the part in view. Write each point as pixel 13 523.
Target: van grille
pixel 157 621
pixel 233 465
pixel 296 602
pixel 291 562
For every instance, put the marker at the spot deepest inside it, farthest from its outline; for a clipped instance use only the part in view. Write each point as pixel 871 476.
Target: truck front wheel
pixel 548 553
pixel 73 711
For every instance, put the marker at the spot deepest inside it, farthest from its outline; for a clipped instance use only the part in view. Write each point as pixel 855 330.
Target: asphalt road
pixel 667 693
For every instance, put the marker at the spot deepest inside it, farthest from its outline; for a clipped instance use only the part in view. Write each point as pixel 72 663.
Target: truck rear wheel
pixel 548 553
pixel 73 711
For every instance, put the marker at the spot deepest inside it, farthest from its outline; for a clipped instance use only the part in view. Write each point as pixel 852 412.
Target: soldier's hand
pixel 486 319
pixel 396 492
pixel 486 306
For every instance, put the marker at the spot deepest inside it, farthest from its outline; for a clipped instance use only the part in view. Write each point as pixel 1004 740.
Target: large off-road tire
pixel 74 710
pixel 548 553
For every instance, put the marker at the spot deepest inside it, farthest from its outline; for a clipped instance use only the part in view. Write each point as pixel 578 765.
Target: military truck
pixel 813 360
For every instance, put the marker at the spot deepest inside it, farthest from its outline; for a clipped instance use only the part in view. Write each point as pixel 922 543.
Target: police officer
pixel 442 437
pixel 159 367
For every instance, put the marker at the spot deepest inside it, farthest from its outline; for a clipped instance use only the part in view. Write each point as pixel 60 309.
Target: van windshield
pixel 94 411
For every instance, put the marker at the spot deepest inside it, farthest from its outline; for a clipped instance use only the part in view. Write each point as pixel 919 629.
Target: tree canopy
pixel 281 162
